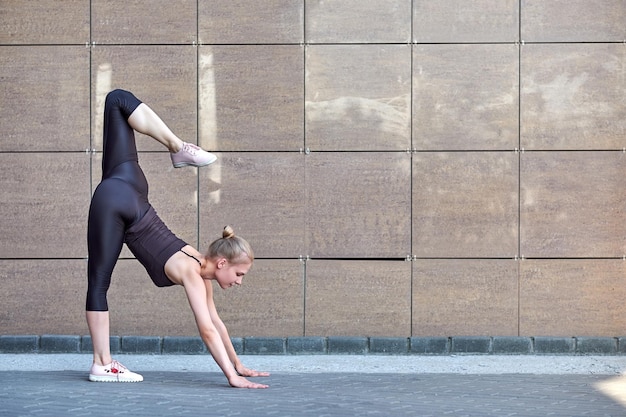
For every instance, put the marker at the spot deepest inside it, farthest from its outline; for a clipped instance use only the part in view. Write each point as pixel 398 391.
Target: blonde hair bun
pixel 234 248
pixel 228 232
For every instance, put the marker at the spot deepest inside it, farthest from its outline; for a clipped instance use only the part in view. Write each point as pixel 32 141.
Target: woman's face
pixel 228 274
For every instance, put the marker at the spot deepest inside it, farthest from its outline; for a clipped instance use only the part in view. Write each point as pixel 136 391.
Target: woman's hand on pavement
pixel 241 382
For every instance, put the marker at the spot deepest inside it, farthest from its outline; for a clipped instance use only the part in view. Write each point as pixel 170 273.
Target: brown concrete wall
pixel 483 141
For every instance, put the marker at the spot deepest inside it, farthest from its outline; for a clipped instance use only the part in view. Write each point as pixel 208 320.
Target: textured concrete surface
pixel 349 385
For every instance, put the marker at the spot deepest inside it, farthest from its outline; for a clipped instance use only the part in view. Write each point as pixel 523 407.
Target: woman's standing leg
pixel 114 205
pixel 98 323
pixel 105 237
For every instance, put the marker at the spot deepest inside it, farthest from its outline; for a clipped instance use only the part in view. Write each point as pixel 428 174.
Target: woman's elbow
pixel 209 333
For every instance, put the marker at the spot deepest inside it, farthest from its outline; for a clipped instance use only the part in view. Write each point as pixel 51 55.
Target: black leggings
pixel 120 211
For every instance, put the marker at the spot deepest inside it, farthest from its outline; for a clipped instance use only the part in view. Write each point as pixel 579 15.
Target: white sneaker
pixel 192 155
pixel 113 372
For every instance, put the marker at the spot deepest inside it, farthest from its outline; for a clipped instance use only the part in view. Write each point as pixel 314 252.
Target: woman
pixel 121 213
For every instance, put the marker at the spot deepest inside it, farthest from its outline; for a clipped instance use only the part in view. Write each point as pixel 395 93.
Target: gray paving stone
pixel 306 345
pixel 19 343
pixel 264 346
pixel 115 344
pixel 512 345
pixel 471 344
pixel 141 344
pixel 59 344
pixel 184 345
pixel 554 345
pixel 430 345
pixel 348 345
pixel 596 345
pixel 389 345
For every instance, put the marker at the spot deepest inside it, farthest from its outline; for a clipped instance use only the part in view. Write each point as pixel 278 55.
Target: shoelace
pixel 191 148
pixel 117 368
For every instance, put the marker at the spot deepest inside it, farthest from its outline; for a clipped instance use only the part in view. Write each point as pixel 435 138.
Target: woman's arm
pixel 223 331
pixel 196 294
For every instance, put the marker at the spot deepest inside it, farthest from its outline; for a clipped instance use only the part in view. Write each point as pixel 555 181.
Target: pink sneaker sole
pixel 96 378
pixel 195 164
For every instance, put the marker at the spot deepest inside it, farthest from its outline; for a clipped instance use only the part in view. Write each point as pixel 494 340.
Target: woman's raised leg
pixel 145 120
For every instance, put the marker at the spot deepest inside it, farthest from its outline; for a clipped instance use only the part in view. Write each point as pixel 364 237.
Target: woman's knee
pixel 115 97
pixel 123 100
pixel 97 299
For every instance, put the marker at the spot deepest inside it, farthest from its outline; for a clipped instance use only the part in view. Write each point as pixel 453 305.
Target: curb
pixel 332 345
